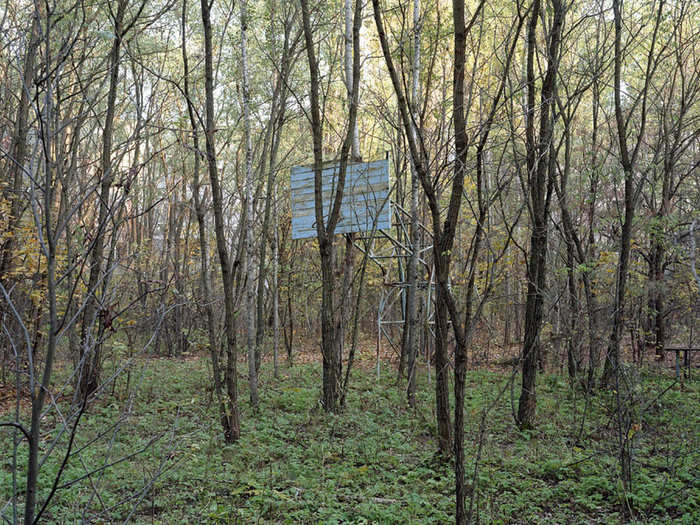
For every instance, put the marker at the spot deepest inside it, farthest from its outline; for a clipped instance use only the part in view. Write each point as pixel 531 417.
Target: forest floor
pixel 373 463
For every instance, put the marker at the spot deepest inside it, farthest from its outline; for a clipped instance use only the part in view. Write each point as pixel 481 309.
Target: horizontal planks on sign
pixel 364 206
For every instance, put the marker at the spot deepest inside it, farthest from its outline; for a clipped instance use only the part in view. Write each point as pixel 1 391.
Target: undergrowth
pixel 373 463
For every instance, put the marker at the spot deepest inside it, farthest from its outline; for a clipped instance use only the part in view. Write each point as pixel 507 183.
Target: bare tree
pixel 232 428
pixel 223 402
pixel 441 242
pixel 325 228
pixel 248 261
pixel 412 318
pixel 95 311
pixel 540 176
pixel 628 161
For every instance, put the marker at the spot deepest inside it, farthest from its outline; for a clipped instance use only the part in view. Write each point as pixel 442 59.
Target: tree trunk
pixel 89 376
pixel 275 292
pixel 540 166
pixel 628 160
pixel 411 322
pixel 442 242
pixel 248 263
pixel 18 149
pixel 233 427
pixel 224 408
pixel 325 229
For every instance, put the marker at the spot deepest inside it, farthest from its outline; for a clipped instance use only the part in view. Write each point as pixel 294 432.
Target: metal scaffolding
pixel 391 309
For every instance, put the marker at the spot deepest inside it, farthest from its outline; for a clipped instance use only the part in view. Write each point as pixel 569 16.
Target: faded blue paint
pixel 365 199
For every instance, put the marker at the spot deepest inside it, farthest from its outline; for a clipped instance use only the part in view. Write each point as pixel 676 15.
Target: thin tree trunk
pixel 332 367
pixel 461 142
pixel 290 316
pixel 572 244
pixel 628 161
pixel 234 429
pixel 250 279
pixel 89 376
pixel 441 244
pixel 224 409
pixel 344 300
pixel 18 149
pixel 349 75
pixel 591 300
pixel 39 389
pixel 276 291
pixel 540 166
pixel 411 325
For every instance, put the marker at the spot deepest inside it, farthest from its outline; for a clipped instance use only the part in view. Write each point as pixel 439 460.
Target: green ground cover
pixel 375 462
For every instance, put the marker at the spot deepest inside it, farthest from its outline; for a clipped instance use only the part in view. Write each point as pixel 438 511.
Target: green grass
pixel 375 462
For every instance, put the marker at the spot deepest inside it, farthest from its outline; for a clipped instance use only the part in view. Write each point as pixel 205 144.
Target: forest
pixel 349 261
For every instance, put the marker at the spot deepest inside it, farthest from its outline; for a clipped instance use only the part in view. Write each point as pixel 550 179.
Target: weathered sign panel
pixel 365 198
